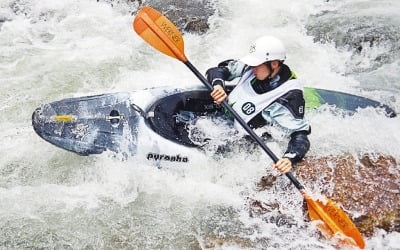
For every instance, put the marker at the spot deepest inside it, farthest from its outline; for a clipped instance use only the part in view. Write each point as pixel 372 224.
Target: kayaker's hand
pixel 284 165
pixel 218 94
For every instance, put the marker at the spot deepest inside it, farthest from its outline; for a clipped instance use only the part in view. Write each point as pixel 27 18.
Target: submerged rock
pixel 367 187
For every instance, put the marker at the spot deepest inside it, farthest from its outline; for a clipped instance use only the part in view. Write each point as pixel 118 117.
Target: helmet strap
pixel 268 64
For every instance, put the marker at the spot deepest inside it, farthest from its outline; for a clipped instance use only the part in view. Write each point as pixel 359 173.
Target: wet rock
pixel 343 32
pixel 20 8
pixel 188 16
pixel 367 187
pixel 266 182
pixel 358 34
pixel 258 207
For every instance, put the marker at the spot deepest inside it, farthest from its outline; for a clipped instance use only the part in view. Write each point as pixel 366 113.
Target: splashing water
pixel 52 50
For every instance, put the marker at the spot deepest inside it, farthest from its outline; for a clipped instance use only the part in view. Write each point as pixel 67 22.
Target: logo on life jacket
pixel 301 109
pixel 248 108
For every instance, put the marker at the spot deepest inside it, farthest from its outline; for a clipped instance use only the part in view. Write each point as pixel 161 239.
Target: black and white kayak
pixel 151 123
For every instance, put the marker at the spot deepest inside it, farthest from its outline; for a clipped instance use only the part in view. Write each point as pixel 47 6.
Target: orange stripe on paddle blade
pixel 335 221
pixel 159 32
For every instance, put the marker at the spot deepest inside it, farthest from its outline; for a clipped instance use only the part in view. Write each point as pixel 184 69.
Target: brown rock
pixel 266 182
pixel 367 187
pixel 188 16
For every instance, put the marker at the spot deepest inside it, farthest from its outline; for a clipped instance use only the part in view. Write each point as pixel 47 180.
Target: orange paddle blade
pixel 159 32
pixel 335 221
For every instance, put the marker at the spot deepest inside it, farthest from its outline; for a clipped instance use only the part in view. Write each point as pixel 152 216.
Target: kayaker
pixel 267 92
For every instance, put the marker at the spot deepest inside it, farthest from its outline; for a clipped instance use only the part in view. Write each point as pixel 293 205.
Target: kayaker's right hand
pixel 284 165
pixel 218 94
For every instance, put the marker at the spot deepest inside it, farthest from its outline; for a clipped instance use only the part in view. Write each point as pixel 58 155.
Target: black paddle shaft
pixel 244 125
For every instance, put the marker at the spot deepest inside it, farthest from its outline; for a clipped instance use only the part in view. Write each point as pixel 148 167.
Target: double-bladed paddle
pixel 162 34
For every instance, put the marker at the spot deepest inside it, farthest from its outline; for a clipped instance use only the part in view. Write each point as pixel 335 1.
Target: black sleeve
pixel 217 75
pixel 298 146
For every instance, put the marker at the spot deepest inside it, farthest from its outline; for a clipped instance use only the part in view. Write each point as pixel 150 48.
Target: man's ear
pixel 275 64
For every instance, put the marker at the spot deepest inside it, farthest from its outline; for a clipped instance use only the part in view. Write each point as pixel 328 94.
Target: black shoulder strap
pixel 294 102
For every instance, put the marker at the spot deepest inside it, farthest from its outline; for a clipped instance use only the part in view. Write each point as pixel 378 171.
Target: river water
pixel 53 199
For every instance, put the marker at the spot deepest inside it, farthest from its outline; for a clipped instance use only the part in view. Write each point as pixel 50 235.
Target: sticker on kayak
pixel 163 157
pixel 248 108
pixel 64 118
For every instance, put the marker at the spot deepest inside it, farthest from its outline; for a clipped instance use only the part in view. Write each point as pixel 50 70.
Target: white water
pixel 50 198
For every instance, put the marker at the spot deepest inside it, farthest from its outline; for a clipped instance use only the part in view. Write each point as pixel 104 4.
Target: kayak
pixel 152 123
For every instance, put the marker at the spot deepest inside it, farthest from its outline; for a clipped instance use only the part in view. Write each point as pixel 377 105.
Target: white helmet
pixel 264 49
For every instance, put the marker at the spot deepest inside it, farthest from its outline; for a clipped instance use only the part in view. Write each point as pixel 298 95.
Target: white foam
pixel 60 49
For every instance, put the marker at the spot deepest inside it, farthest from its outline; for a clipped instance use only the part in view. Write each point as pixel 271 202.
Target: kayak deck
pixel 110 122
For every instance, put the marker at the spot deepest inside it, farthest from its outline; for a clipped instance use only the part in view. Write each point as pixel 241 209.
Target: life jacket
pixel 248 104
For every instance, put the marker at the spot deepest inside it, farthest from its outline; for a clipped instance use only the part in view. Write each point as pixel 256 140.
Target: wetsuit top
pixel 274 101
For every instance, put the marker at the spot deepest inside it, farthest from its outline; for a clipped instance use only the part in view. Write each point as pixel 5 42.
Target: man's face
pixel 261 71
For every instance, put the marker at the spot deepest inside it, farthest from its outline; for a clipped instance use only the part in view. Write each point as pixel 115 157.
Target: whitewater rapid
pixel 50 198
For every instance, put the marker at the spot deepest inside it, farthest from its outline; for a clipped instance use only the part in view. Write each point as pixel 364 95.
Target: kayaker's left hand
pixel 284 165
